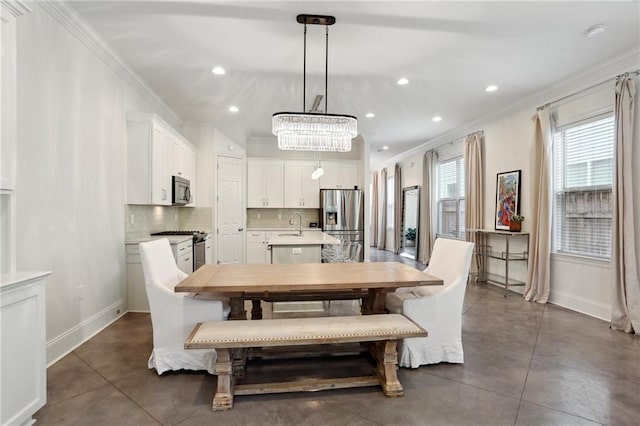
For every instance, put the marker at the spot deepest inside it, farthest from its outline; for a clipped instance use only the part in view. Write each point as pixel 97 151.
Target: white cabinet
pixel 257 249
pixel 24 349
pixel 136 292
pixel 264 183
pixel 208 249
pixel 155 152
pixel 300 191
pixel 340 175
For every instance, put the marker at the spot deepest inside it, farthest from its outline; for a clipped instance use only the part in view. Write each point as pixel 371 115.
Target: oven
pixel 198 248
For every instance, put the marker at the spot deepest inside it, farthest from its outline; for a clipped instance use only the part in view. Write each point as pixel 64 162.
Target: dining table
pixel 369 281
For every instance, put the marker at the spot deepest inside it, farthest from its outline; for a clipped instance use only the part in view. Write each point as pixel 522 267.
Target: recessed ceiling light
pixel 233 109
pixel 370 115
pixel 437 118
pixel 218 71
pixel 402 81
pixel 384 148
pixel 595 30
pixel 491 88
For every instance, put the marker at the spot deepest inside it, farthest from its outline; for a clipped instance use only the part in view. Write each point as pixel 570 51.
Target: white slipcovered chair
pixel 436 308
pixel 173 315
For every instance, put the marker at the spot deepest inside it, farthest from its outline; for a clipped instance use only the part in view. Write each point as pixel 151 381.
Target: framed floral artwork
pixel 507 198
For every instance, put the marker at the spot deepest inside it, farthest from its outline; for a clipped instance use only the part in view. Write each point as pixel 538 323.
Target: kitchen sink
pixel 289 235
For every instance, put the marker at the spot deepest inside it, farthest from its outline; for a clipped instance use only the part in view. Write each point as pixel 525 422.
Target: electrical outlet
pixel 81 292
pixel 118 312
pixel 175 217
pixel 132 219
pixel 279 216
pixel 258 215
pixel 296 250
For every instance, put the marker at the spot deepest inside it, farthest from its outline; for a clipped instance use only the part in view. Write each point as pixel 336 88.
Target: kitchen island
pixel 298 247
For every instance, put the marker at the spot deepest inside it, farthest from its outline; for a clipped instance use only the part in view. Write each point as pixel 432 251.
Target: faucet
pixel 299 221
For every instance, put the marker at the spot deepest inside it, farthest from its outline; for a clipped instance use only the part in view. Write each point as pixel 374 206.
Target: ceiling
pixel 448 50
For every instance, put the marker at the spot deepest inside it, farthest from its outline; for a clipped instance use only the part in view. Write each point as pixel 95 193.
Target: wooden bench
pixel 231 338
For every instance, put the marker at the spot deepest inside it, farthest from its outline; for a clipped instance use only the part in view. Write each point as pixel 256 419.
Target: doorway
pixel 230 210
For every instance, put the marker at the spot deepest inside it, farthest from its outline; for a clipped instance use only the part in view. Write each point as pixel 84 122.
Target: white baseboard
pixel 582 305
pixel 62 345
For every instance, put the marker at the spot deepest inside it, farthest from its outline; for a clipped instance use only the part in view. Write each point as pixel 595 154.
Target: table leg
pixel 387 367
pixel 256 309
pixel 223 399
pixel 375 301
pixel 237 308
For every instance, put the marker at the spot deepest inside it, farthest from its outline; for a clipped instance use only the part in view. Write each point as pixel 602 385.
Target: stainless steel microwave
pixel 181 193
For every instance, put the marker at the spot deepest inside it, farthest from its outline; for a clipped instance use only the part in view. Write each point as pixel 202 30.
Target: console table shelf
pixel 485 251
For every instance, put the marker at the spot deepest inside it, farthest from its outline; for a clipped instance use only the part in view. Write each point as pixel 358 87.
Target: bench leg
pixel 387 367
pixel 239 361
pixel 223 399
pixel 237 308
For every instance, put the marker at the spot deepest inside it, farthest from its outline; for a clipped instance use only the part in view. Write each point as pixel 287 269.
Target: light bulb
pixel 317 173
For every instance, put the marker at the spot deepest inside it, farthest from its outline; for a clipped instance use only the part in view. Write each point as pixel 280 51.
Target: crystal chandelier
pixel 313 131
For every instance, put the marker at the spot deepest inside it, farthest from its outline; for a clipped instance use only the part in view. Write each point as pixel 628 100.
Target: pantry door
pixel 230 210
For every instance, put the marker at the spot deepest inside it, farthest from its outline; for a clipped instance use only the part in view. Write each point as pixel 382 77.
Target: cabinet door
pixel 208 250
pixel 273 182
pixel 185 263
pixel 256 247
pixel 189 172
pixel 310 188
pixel 292 185
pixel 161 166
pixel 255 184
pixel 350 176
pixel 331 177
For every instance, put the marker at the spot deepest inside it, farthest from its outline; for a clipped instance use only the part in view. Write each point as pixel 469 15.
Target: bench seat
pixel 231 338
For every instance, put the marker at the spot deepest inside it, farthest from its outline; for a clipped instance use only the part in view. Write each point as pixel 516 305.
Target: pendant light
pixel 312 131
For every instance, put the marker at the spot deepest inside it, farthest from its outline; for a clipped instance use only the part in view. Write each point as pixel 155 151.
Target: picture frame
pixel 507 198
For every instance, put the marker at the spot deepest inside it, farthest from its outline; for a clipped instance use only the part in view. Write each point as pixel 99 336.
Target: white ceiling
pixel 449 50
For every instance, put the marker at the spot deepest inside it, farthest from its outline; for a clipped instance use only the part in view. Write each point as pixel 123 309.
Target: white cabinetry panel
pixel 300 191
pixel 265 180
pixel 340 175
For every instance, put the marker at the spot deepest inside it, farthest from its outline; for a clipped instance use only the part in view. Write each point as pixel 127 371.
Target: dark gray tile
pixel 487 369
pixel 118 360
pixel 536 415
pixel 103 406
pixel 583 393
pixel 71 377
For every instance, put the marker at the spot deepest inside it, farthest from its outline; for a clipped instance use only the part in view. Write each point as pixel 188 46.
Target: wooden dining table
pixel 369 281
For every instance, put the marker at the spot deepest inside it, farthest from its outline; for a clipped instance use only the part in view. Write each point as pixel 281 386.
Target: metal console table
pixel 484 251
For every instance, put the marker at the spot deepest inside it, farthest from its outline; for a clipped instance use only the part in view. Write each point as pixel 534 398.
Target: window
pixel 583 180
pixel 451 198
pixel 390 201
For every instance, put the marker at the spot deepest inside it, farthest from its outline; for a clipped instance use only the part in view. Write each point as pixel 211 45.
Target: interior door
pixel 230 210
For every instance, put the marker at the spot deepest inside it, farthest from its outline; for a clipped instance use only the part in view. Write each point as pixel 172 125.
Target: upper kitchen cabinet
pixel 340 175
pixel 300 191
pixel 265 183
pixel 156 152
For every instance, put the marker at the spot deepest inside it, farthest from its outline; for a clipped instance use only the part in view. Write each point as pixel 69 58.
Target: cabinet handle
pixel 241 229
pixel 183 248
pixel 186 259
pixel 267 201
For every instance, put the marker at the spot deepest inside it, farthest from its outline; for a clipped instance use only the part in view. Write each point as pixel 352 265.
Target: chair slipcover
pixel 436 308
pixel 173 315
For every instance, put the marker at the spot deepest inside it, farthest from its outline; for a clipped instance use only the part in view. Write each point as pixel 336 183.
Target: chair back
pixel 450 258
pixel 158 263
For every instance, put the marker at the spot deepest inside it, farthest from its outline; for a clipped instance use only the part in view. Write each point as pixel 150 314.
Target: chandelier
pixel 314 131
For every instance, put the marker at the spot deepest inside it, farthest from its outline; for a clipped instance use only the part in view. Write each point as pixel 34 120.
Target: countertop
pixel 308 238
pixel 173 239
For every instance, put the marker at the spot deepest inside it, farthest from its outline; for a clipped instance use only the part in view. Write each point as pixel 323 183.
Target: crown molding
pixel 81 30
pixel 629 61
pixel 12 9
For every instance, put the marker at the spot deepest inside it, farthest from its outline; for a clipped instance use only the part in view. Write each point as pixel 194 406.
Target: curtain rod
pixel 635 73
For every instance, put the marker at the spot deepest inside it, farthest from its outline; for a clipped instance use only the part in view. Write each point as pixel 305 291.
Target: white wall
pixel 71 171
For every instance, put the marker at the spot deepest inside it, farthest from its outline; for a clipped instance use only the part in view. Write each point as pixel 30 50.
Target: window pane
pixel 583 179
pixel 451 198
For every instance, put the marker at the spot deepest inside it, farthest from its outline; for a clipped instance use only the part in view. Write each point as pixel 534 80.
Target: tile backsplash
pixel 149 219
pixel 279 218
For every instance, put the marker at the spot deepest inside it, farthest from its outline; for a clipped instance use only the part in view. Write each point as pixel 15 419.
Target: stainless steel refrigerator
pixel 342 215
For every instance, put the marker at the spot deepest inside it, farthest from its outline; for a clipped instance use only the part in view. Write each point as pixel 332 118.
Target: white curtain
pixel 625 297
pixel 473 185
pixel 427 195
pixel 397 208
pixel 382 224
pixel 374 210
pixel 537 286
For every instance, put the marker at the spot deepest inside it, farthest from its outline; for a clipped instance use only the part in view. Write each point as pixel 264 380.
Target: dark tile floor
pixel 525 364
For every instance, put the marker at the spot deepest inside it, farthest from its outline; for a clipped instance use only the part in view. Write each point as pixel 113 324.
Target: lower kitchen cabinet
pixel 257 249
pixel 136 292
pixel 208 249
